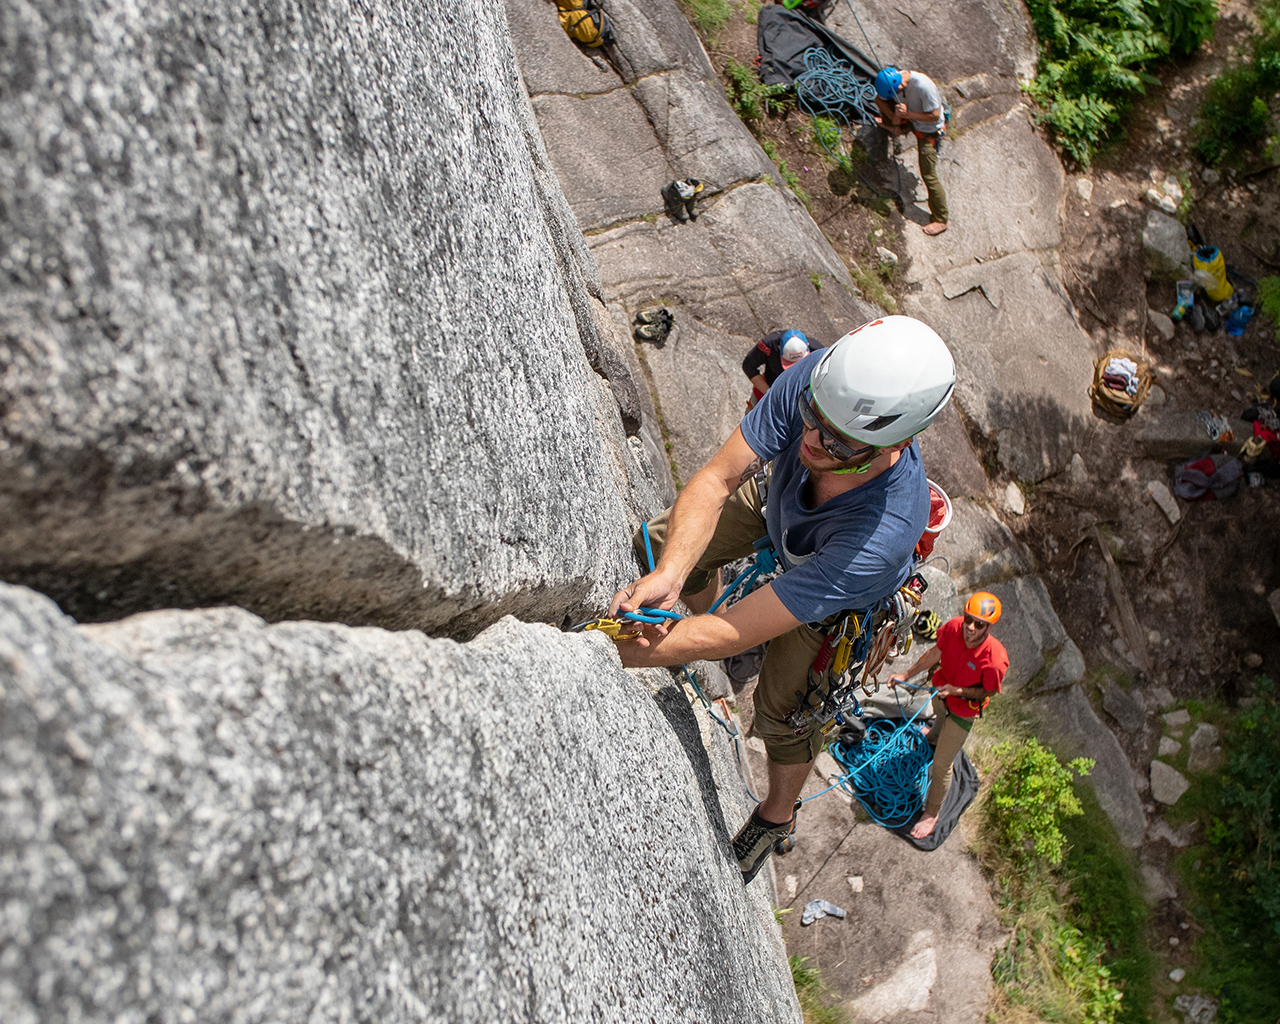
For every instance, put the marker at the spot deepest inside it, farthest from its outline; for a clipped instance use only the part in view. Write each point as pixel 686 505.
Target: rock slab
pixel 1070 723
pixel 210 818
pixel 261 268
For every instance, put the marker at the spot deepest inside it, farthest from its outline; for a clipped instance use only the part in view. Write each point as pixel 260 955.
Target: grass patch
pixel 812 994
pixel 873 286
pixel 710 16
pixel 1234 876
pixel 751 11
pixel 1109 902
pixel 750 98
pixel 1269 301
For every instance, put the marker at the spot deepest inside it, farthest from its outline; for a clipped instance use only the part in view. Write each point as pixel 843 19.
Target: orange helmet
pixel 984 606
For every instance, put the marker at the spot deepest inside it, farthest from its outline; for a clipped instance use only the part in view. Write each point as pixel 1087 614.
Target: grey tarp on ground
pixel 783 36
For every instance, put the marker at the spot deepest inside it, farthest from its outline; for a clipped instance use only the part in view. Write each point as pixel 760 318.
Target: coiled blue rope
pixel 888 771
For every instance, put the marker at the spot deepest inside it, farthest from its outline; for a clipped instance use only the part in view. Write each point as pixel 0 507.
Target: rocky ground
pixel 1037 276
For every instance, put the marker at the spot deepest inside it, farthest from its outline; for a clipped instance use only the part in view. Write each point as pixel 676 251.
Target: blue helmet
pixel 888 82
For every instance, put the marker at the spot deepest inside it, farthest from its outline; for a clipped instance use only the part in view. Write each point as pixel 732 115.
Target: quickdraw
pixel 625 627
pixel 862 640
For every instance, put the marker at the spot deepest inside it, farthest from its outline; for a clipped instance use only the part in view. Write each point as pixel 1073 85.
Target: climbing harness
pixel 851 656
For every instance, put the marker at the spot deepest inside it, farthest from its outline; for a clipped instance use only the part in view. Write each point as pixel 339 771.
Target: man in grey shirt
pixel 910 102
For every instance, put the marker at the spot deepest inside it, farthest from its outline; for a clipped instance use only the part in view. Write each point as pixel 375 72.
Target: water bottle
pixel 1238 320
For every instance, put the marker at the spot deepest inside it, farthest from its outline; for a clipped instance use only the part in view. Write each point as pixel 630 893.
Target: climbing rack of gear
pixel 851 657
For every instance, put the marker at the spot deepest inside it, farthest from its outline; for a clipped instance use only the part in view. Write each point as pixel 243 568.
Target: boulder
pixel 1165 501
pixel 209 818
pixel 259 288
pixel 1066 719
pixel 1013 314
pixel 1170 432
pixel 1162 324
pixel 1197 1009
pixel 1167 784
pixel 1161 697
pixel 1156 884
pixel 1176 721
pixel 1164 241
pixel 1204 753
pixel 1168 747
pixel 1120 705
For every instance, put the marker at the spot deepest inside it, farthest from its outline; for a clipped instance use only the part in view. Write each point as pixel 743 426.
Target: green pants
pixel 927 147
pixel 786 664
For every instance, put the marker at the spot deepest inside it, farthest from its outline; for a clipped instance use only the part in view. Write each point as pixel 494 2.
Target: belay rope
pixel 828 88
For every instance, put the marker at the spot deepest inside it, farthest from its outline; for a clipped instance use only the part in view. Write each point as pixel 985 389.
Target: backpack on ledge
pixel 586 22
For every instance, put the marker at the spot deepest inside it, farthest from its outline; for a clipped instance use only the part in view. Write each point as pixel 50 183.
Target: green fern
pixel 750 98
pixel 1094 60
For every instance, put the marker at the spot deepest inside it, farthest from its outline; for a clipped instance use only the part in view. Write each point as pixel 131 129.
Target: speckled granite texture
pixel 296 317
pixel 206 818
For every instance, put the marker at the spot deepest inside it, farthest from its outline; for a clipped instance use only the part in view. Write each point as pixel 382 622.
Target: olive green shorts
pixel 786 665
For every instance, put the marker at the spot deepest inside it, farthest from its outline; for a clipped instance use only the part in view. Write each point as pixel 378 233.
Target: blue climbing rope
pixel 888 770
pixel 766 561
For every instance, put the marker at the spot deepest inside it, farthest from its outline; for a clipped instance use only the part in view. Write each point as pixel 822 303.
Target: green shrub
pixel 1269 301
pixel 1094 59
pixel 1030 796
pixel 1234 119
pixel 1236 876
pixel 750 98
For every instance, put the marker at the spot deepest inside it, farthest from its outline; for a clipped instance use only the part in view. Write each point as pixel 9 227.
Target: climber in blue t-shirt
pixel 847 503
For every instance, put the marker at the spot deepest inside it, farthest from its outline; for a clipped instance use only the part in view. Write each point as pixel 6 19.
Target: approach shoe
pixel 755 841
pixel 654 316
pixel 657 333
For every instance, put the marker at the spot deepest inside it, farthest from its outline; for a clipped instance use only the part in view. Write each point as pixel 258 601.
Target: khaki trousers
pixel 946 738
pixel 927 149
pixel 786 665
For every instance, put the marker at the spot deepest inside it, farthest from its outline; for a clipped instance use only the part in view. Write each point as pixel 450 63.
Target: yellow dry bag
pixel 1210 272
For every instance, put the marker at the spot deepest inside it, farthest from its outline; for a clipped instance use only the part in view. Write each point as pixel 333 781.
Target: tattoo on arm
pixel 755 467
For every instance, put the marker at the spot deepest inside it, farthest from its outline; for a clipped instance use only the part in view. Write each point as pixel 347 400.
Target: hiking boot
pixel 654 316
pixel 755 841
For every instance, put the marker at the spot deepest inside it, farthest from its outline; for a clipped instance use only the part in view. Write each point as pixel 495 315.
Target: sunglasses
pixel 969 620
pixel 832 445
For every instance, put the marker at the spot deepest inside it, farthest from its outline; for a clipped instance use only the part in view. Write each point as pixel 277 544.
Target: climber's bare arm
pixel 756 618
pixel 691 527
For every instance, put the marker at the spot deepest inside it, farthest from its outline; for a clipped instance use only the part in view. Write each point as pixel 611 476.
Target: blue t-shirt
pixel 851 551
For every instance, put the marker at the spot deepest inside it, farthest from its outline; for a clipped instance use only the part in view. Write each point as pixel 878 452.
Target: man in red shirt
pixel 970 665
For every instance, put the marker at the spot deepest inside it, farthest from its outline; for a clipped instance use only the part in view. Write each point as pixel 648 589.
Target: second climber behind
pixel 775 352
pixel 970 664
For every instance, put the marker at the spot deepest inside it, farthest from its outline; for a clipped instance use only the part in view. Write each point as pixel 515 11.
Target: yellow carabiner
pixel 613 629
pixel 840 662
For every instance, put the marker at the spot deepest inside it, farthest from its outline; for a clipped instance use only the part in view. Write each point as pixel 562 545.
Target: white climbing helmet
pixel 885 381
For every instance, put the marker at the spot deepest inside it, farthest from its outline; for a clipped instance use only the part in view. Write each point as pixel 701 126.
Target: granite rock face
pixel 297 318
pixel 209 818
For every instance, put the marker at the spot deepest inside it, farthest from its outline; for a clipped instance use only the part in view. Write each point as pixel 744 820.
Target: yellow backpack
pixel 586 22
